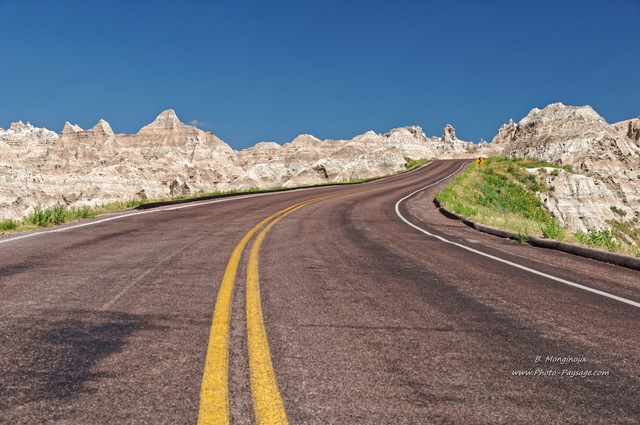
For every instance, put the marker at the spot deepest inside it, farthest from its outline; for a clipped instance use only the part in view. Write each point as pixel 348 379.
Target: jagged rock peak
pixel 369 135
pixel 166 120
pixel 448 134
pixel 506 133
pixel 557 112
pixel 556 121
pixel 22 136
pixel 70 128
pixel 265 146
pixel 19 126
pixel 414 130
pixel 305 139
pixel 102 127
pixel 168 115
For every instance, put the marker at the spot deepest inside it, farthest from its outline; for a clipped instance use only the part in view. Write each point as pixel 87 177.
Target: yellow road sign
pixel 480 161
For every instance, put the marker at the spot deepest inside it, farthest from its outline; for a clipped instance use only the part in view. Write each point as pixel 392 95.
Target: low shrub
pixel 56 214
pixel 413 163
pixel 600 238
pixel 83 212
pixel 553 230
pixel 8 224
pixel 617 210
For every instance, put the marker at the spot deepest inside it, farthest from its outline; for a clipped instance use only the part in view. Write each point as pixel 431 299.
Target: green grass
pixel 553 230
pixel 60 213
pixel 618 211
pixel 503 194
pixel 413 163
pixel 9 224
pixel 601 238
pixel 49 216
pixel 627 231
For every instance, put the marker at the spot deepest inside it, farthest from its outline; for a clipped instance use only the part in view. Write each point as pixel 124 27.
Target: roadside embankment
pixel 61 213
pixel 502 197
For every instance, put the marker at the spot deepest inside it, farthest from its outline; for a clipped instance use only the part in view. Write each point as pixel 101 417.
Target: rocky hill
pixel 605 158
pixel 169 158
pixel 307 160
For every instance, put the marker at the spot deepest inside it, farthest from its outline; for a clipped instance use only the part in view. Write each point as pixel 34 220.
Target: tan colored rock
pixel 448 146
pixel 579 137
pixel 309 160
pixel 630 129
pixel 580 202
pixel 258 154
pixel 168 158
pixel 88 167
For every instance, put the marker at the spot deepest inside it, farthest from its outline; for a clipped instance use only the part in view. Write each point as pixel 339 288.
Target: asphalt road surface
pixel 333 310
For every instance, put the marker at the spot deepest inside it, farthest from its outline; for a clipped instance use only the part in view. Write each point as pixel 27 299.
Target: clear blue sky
pixel 254 71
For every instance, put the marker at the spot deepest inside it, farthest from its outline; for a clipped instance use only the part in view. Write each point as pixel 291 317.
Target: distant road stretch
pixel 355 304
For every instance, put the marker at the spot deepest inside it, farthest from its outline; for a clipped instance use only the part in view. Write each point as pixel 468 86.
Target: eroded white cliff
pixel 168 158
pixel 606 158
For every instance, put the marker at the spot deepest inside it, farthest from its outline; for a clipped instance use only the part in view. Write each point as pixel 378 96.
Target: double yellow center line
pixel 214 393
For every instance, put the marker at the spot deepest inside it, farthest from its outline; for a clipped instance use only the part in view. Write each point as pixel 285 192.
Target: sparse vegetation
pixel 628 232
pixel 553 230
pixel 60 213
pixel 8 224
pixel 503 194
pixel 618 211
pixel 600 238
pixel 413 163
pixel 49 216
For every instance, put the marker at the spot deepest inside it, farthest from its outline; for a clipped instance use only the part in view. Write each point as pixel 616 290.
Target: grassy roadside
pixel 60 213
pixel 412 164
pixel 502 193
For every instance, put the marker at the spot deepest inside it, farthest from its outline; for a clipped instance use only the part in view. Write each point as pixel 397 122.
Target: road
pixel 334 310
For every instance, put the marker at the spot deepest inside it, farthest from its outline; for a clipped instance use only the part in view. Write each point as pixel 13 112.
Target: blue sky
pixel 253 71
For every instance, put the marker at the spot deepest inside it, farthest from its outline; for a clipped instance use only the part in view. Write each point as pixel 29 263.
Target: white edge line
pixel 127 215
pixel 539 273
pixel 160 209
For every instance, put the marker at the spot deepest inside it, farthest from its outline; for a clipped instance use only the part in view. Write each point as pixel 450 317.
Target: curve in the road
pixel 214 396
pixel 267 401
pixel 493 257
pixel 368 320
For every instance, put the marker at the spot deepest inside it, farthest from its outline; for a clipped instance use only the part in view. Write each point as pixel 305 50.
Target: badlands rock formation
pixel 87 167
pixel 169 158
pixel 630 129
pixel 308 160
pixel 607 156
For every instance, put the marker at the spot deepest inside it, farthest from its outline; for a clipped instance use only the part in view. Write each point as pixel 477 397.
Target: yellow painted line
pixel 419 176
pixel 214 398
pixel 214 391
pixel 267 402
